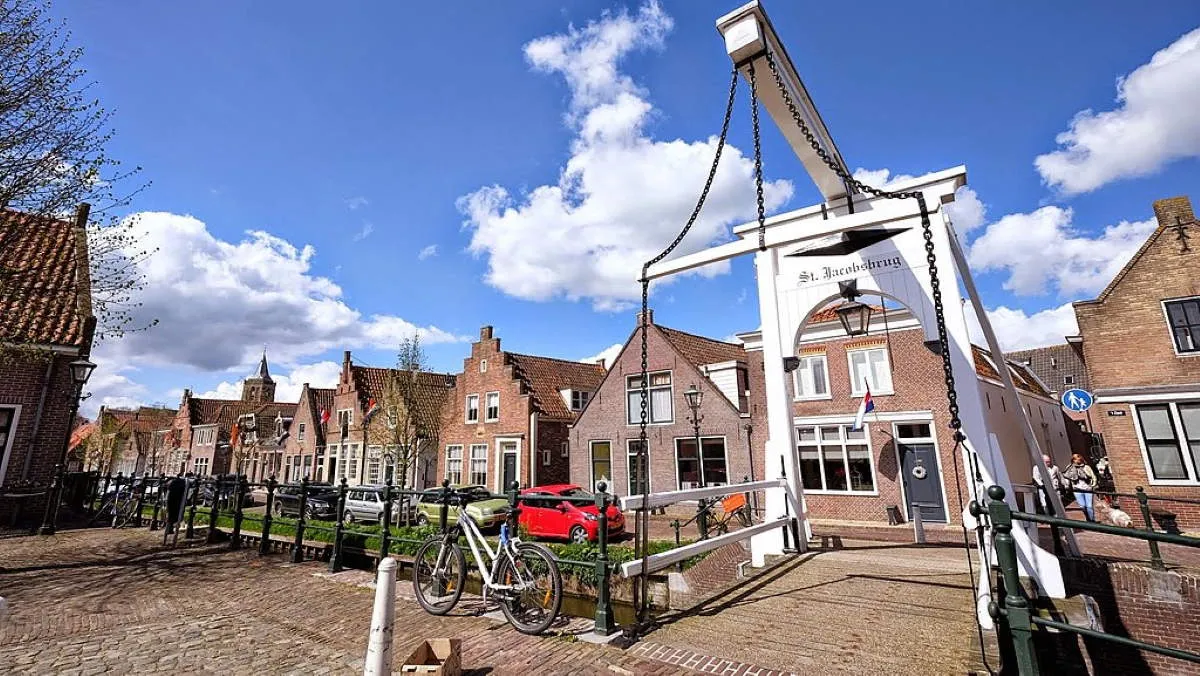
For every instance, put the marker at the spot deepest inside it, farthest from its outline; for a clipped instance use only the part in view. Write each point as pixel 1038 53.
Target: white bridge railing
pixel 656 562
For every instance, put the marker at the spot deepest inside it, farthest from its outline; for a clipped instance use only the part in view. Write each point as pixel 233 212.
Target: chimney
pixel 187 394
pixel 485 333
pixel 1173 210
pixel 600 361
pixel 649 317
pixel 346 357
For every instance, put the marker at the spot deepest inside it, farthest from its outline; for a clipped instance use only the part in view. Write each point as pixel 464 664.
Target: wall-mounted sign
pixel 1077 400
pixel 1116 413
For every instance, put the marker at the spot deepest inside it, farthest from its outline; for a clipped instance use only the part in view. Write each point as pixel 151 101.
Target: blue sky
pixel 352 140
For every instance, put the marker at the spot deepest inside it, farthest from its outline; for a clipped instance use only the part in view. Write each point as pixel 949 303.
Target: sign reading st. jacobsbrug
pixel 829 273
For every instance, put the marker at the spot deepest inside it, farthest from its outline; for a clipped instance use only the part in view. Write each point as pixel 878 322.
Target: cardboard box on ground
pixel 435 657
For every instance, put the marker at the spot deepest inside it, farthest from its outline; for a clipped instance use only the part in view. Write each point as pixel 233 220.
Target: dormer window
pixel 579 399
pixel 1183 317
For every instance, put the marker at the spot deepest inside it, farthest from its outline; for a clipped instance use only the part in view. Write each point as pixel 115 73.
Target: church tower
pixel 259 389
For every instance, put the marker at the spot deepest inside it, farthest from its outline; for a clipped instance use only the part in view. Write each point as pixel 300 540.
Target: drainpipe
pixel 37 417
pixel 533 444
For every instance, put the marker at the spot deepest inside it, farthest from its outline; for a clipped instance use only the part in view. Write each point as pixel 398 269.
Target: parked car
pixel 365 503
pixel 544 513
pixel 483 509
pixel 320 504
pixel 225 492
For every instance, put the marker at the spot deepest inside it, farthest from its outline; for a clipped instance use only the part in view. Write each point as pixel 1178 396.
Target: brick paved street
pixel 104 601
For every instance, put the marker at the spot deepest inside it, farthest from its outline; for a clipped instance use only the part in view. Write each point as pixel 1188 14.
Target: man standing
pixel 1055 481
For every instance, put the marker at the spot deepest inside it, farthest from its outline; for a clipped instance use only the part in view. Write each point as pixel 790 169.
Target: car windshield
pixel 575 493
pixel 476 493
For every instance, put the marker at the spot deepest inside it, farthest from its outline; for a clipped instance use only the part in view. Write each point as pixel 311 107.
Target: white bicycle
pixel 523 576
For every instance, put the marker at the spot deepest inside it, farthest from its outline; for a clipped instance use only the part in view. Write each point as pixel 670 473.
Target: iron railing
pixel 1013 609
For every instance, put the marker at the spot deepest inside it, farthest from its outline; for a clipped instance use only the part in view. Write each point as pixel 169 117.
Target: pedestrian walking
pixel 1056 483
pixel 1082 480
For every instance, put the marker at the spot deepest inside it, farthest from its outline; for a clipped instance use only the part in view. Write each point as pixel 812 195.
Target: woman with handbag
pixel 1082 480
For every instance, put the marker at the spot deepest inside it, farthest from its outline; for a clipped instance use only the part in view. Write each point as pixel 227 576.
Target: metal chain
pixel 642 589
pixel 758 170
pixel 935 285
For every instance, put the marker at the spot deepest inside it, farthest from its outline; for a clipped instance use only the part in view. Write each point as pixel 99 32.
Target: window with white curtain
pixel 661 409
pixel 870 368
pixel 479 458
pixel 811 378
pixel 454 464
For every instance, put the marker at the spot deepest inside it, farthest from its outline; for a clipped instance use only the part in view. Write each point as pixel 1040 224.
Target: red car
pixel 545 515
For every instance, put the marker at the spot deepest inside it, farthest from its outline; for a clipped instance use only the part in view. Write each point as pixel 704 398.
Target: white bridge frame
pixel 786 305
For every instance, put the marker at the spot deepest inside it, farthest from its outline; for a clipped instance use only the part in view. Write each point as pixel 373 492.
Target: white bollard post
pixel 379 646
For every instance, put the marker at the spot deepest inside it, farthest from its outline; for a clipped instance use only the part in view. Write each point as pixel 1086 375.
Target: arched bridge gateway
pixel 860 240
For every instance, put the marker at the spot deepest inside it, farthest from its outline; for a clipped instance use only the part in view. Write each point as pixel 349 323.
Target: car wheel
pixel 277 509
pixel 348 518
pixel 579 535
pixel 422 520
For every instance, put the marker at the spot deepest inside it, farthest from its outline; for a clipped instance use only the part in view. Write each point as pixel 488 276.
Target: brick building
pixel 346 435
pixel 46 322
pixel 304 451
pixel 219 436
pixel 1141 342
pixel 605 440
pixel 508 416
pixel 125 441
pixel 904 455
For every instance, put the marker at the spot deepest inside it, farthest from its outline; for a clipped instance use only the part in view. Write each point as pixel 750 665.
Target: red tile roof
pixel 41 281
pixel 700 350
pixel 432 388
pixel 544 377
pixel 1022 379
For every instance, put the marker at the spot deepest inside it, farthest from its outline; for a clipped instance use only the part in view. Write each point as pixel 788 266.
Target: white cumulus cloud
pixel 427 252
pixel 621 196
pixel 967 212
pixel 608 354
pixel 219 302
pixel 287 387
pixel 1018 330
pixel 1043 251
pixel 1155 121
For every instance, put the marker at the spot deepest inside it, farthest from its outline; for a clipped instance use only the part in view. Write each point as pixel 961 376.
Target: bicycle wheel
pixel 744 516
pixel 439 575
pixel 125 514
pixel 536 597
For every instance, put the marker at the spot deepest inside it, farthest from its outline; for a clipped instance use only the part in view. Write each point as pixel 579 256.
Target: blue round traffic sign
pixel 1077 400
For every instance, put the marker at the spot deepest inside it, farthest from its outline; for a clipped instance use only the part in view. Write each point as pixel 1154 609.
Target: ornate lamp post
pixel 854 316
pixel 695 397
pixel 81 370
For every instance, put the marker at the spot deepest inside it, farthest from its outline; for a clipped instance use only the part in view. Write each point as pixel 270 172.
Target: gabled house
pixel 385 422
pixel 605 440
pixel 46 322
pixel 1141 343
pixel 304 452
pixel 124 441
pixel 508 416
pixel 220 436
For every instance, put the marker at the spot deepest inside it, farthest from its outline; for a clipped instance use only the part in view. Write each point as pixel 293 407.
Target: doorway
pixel 510 464
pixel 920 471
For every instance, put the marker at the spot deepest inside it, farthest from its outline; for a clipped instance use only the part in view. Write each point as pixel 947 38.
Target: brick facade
pixel 306 439
pixel 1133 363
pixel 605 420
pixel 532 416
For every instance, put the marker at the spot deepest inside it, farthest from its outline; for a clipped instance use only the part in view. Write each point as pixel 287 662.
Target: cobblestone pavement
pixel 104 601
pixel 866 608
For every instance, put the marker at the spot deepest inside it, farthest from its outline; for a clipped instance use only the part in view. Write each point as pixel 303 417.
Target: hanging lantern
pixel 855 317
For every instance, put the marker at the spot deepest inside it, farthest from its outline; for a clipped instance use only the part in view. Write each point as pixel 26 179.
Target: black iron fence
pixel 1013 610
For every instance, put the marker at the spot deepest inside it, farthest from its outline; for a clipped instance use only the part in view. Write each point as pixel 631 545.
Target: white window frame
pixel 472 457
pixel 629 455
pixel 483 366
pixel 650 398
pixel 545 457
pixel 500 453
pixel 300 432
pixel 592 461
pixel 349 415
pixel 842 442
pixel 197 466
pixel 487 407
pixel 797 382
pixel 374 471
pixel 565 450
pixel 1171 329
pixel 6 450
pixel 856 389
pixel 700 457
pixel 467 415
pixel 580 399
pixel 352 461
pixel 448 475
pixel 1180 436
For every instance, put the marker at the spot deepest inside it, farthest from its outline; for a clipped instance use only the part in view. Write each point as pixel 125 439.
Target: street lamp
pixel 694 397
pixel 81 370
pixel 854 316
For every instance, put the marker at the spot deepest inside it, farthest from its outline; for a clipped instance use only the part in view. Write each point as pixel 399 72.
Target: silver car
pixel 365 503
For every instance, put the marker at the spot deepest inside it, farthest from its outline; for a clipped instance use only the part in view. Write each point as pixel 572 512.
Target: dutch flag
pixel 864 407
